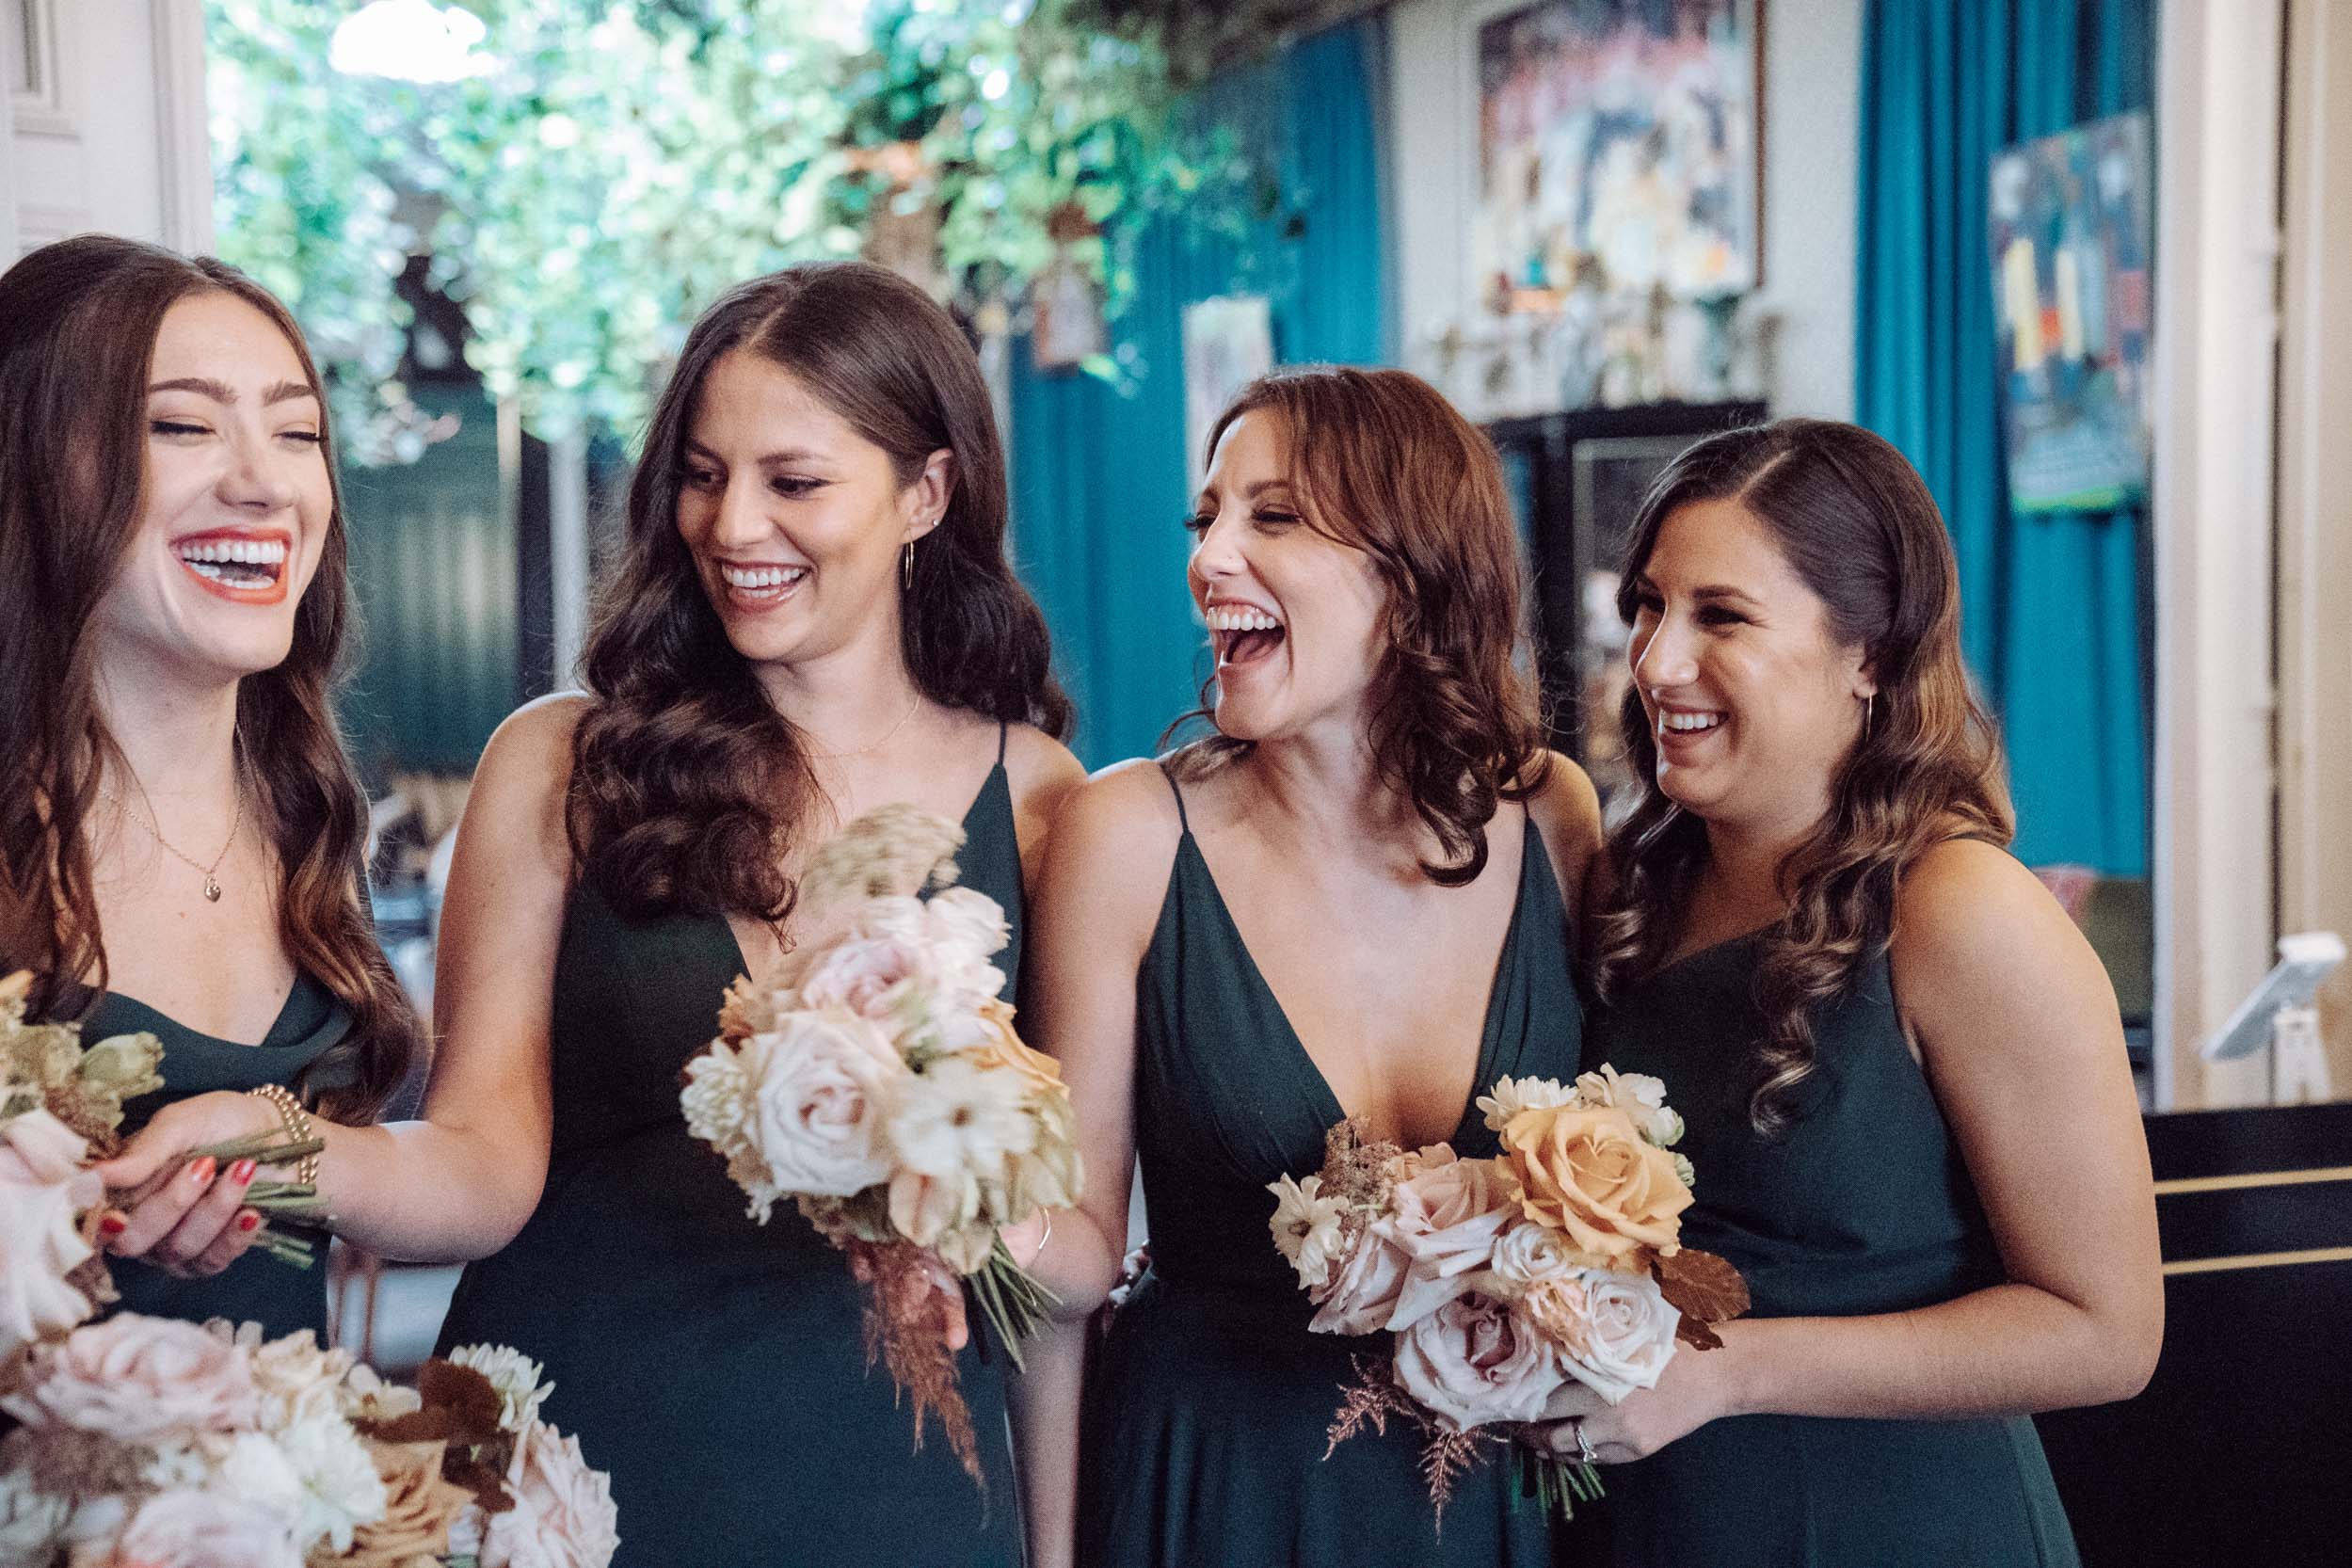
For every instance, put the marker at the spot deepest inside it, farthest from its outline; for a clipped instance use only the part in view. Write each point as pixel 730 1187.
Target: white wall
pixel 114 139
pixel 1811 108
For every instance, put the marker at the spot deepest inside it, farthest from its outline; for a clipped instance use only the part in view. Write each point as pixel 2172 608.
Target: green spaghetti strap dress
pixel 714 1366
pixel 1862 1206
pixel 1208 1405
pixel 256 1287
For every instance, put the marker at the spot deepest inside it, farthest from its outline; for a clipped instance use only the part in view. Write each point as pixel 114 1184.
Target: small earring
pixel 907 570
pixel 1869 707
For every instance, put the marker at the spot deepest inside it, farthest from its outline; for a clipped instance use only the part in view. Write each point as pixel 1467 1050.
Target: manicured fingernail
pixel 248 1221
pixel 242 1172
pixel 112 1225
pixel 201 1172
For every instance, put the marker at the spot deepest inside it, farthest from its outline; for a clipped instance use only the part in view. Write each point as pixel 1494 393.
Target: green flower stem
pixel 1015 1303
pixel 1558 1484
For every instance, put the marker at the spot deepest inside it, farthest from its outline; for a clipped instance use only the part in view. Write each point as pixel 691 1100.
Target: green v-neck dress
pixel 256 1287
pixel 1861 1206
pixel 713 1365
pixel 1208 1405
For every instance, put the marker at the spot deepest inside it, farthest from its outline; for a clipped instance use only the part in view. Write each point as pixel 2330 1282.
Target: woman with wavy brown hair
pixel 1354 899
pixel 1902 1066
pixel 811 616
pixel 181 831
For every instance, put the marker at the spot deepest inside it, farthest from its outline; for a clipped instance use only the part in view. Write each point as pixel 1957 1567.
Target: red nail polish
pixel 201 1172
pixel 248 1221
pixel 112 1225
pixel 242 1172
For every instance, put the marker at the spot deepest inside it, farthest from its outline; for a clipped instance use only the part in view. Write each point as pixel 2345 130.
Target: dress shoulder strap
pixel 1004 728
pixel 1182 822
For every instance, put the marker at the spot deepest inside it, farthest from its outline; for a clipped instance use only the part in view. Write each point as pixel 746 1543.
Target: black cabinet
pixel 1576 479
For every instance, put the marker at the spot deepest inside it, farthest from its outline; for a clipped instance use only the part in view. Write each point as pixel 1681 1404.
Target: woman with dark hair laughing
pixel 1354 899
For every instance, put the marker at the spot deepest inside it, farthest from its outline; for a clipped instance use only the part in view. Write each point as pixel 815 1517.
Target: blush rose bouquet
pixel 1500 1280
pixel 875 1077
pixel 142 1441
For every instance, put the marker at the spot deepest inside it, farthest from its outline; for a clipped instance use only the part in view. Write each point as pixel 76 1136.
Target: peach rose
pixel 136 1380
pixel 1472 1362
pixel 418 1510
pixel 1589 1174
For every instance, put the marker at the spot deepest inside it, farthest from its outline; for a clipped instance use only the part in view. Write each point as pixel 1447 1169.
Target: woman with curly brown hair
pixel 1902 1066
pixel 812 616
pixel 1354 899
pixel 181 830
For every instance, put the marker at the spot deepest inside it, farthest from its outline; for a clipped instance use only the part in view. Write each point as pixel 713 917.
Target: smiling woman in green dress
pixel 181 830
pixel 812 616
pixel 1355 898
pixel 1901 1067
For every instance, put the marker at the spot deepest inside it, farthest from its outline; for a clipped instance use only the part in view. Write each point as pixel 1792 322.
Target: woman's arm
pixel 1567 815
pixel 458 1183
pixel 1096 904
pixel 2017 1029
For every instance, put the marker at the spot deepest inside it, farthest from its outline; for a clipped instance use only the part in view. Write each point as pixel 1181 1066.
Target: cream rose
pixel 208 1529
pixel 865 975
pixel 44 1191
pixel 1558 1307
pixel 1472 1362
pixel 1360 1294
pixel 136 1380
pixel 1629 1327
pixel 563 1515
pixel 1526 1252
pixel 1590 1173
pixel 1446 1217
pixel 821 1085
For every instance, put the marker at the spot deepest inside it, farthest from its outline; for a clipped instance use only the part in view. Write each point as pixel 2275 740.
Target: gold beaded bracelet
pixel 297 1122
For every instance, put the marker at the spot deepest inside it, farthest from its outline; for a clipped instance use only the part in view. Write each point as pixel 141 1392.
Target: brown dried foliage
pixel 907 1329
pixel 1705 1289
pixel 1447 1454
pixel 462 1410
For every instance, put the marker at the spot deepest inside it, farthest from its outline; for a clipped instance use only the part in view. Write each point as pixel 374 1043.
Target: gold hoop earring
pixel 907 570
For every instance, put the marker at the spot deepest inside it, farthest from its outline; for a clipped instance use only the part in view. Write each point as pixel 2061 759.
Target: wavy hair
pixel 1857 525
pixel 1385 465
pixel 686 782
pixel 78 322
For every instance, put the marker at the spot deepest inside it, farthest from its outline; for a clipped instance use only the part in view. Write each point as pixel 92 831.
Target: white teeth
pixel 761 577
pixel 1242 620
pixel 250 552
pixel 1687 723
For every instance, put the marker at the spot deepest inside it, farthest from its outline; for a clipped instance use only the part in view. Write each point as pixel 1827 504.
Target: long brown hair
pixel 78 322
pixel 1387 466
pixel 1859 526
pixel 685 780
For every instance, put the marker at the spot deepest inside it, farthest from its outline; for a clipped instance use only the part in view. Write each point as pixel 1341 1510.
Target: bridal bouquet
pixel 876 1079
pixel 148 1441
pixel 1502 1279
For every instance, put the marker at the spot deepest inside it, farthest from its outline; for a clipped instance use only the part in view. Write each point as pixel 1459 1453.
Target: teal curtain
pixel 2054 606
pixel 1100 471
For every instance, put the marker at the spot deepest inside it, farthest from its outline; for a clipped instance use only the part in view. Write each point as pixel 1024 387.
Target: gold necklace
pixel 874 745
pixel 211 881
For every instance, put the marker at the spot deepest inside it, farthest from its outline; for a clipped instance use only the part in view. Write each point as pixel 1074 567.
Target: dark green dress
pixel 256 1287
pixel 1209 1403
pixel 1861 1206
pixel 713 1365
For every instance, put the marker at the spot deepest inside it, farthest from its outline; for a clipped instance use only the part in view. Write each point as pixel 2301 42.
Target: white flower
pixel 961 1117
pixel 965 929
pixel 1684 1169
pixel 1529 1251
pixel 30 1521
pixel 341 1487
pixel 1510 1096
pixel 43 1190
pixel 1308 1227
pixel 252 1465
pixel 514 1375
pixel 1629 1334
pixel 1640 1095
pixel 366 1397
pixel 299 1380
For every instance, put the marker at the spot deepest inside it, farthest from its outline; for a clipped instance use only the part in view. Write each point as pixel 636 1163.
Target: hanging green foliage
pixel 599 170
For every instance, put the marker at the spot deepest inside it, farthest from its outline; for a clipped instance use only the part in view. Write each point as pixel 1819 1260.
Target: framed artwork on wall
pixel 1619 146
